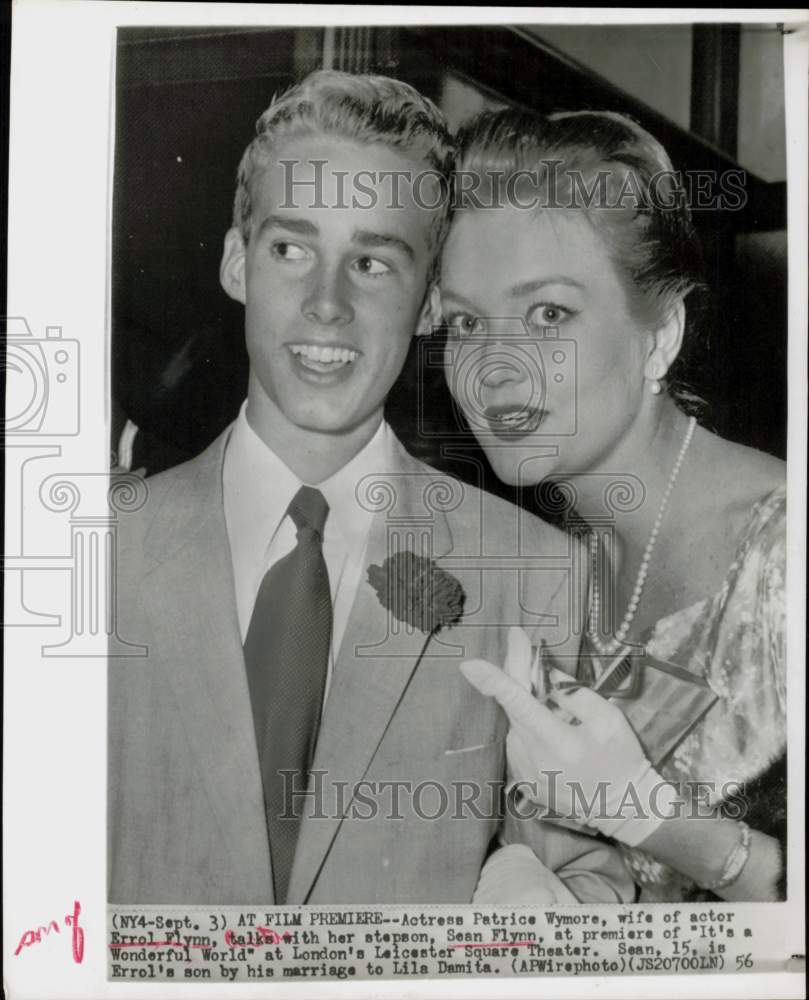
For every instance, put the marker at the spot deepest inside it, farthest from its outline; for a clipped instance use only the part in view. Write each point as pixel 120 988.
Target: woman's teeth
pixel 323 358
pixel 514 418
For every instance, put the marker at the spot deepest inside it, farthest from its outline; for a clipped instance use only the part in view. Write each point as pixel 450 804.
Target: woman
pixel 568 278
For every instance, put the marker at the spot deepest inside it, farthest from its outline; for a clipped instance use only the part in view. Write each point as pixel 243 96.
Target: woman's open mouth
pixel 508 420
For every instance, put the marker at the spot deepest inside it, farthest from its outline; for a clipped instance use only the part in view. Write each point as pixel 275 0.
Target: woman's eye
pixel 371 266
pixel 289 251
pixel 462 324
pixel 547 314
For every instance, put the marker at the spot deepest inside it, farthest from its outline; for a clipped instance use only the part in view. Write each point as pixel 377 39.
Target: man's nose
pixel 327 301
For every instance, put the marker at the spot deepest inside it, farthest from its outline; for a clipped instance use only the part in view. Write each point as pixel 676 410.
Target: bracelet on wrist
pixel 735 861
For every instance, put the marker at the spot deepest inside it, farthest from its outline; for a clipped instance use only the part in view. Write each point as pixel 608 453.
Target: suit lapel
pixel 377 660
pixel 199 645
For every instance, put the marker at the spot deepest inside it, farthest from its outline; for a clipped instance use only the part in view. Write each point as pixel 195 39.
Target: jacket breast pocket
pixel 459 783
pixel 484 758
pixel 474 748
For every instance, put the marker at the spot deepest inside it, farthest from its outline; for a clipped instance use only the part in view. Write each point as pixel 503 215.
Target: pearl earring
pixel 655 385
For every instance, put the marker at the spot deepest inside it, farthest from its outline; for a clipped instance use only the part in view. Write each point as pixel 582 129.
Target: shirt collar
pixel 341 490
pixel 259 486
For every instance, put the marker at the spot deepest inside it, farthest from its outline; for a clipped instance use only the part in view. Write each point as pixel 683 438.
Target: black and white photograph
pixel 425 601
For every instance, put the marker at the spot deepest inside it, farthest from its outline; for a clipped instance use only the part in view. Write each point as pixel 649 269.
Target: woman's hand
pixel 514 874
pixel 591 768
pixel 603 779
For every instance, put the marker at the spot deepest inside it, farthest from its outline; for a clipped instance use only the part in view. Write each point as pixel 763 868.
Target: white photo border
pixel 60 181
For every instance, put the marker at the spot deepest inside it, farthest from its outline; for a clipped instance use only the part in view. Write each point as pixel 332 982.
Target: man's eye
pixel 371 266
pixel 548 314
pixel 462 324
pixel 289 251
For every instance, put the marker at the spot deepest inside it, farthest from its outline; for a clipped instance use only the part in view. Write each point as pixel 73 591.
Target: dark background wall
pixel 186 103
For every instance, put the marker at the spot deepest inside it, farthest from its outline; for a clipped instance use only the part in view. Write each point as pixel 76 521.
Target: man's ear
pixel 231 270
pixel 666 343
pixel 430 315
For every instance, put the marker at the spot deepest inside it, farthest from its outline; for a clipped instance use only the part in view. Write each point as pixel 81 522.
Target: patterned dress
pixel 736 642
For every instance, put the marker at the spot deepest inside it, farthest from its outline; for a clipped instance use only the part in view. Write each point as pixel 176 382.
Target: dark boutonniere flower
pixel 418 592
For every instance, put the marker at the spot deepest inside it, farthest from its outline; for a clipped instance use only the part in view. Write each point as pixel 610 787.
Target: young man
pixel 276 651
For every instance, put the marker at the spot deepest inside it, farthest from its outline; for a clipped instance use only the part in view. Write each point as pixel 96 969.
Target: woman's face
pixel 544 359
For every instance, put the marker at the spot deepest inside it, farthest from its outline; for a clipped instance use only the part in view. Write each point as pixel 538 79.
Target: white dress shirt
pixel 258 488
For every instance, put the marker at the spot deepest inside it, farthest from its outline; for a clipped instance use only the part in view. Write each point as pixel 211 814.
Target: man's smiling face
pixel 332 291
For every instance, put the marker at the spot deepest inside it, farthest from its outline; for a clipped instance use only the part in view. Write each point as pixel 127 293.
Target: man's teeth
pixel 324 355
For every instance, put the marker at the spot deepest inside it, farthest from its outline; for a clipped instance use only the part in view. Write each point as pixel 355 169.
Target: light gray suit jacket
pixel 185 807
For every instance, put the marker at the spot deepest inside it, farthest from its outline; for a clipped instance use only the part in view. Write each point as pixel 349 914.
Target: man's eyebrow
pixel 526 287
pixel 371 240
pixel 362 237
pixel 292 225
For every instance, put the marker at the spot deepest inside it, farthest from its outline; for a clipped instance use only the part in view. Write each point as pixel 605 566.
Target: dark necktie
pixel 286 652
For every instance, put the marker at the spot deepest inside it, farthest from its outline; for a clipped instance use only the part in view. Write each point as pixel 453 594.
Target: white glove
pixel 594 771
pixel 514 874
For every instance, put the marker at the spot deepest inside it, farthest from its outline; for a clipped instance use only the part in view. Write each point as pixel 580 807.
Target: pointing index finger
pixel 522 709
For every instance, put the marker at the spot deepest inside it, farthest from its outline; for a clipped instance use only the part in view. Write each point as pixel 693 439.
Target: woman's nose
pixel 327 301
pixel 501 363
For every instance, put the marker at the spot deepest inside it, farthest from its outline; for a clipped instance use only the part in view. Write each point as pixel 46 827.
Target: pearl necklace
pixel 611 647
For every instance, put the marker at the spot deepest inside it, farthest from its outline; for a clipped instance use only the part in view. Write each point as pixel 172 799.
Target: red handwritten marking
pixel 267 933
pixel 156 944
pixel 35 936
pixel 149 944
pixel 71 920
pixel 494 944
